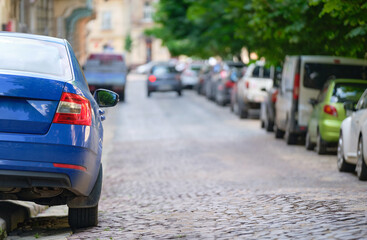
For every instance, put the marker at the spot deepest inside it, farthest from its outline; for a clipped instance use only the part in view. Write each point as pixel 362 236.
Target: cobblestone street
pixel 182 167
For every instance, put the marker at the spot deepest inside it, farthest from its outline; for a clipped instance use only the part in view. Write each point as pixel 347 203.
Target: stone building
pixel 60 18
pixel 116 21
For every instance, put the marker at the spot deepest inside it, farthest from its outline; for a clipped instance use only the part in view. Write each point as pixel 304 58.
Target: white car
pixel 189 77
pixel 352 145
pixel 252 88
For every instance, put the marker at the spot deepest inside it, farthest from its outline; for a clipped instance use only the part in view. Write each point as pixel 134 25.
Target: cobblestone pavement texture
pixel 184 168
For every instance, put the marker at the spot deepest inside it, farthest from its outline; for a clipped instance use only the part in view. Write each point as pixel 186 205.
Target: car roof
pixel 33 36
pixel 329 59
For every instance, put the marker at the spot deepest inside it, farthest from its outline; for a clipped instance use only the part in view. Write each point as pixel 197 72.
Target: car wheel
pixel 320 144
pixel 308 144
pixel 83 217
pixel 179 93
pixel 343 166
pixel 148 94
pixel 278 133
pixel 290 138
pixel 361 167
pixel 262 125
pixel 269 125
pixel 242 111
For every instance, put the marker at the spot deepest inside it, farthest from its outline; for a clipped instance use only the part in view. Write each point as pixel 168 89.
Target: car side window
pixel 362 103
pixel 256 72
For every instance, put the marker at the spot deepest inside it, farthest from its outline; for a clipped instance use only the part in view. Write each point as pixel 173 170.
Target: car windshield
pixel 347 92
pixel 163 69
pixel 317 74
pixel 195 68
pixel 29 56
pixel 101 65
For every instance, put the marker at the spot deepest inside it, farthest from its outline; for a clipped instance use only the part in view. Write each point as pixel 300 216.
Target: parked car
pixel 106 70
pixel 144 68
pixel 302 79
pixel 204 75
pixel 221 72
pixel 328 113
pixel 267 108
pixel 352 144
pixel 163 77
pixel 252 88
pixel 189 76
pixel 210 81
pixel 50 127
pixel 226 82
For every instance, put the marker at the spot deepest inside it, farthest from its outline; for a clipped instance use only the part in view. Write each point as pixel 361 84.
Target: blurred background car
pixel 219 74
pixel 108 71
pixel 203 76
pixel 267 108
pixel 303 77
pixel 328 113
pixel 352 142
pixel 49 113
pixel 163 77
pixel 189 76
pixel 144 68
pixel 252 89
pixel 226 82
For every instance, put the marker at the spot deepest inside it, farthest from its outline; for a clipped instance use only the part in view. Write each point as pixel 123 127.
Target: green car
pixel 328 113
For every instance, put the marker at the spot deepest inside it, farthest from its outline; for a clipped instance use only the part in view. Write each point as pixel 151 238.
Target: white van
pixel 302 79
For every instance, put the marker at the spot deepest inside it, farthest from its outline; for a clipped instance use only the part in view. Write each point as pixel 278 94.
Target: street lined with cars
pixel 182 167
pixel 186 168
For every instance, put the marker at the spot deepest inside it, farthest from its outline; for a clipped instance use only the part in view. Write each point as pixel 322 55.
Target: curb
pixel 15 212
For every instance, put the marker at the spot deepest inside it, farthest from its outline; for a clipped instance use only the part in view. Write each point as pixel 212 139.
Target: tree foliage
pixel 271 28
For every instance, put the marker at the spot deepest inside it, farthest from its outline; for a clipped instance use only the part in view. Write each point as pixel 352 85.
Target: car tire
pixel 83 217
pixel 361 168
pixel 308 144
pixel 290 138
pixel 343 166
pixel 179 93
pixel 269 125
pixel 262 124
pixel 242 111
pixel 148 94
pixel 278 133
pixel 320 144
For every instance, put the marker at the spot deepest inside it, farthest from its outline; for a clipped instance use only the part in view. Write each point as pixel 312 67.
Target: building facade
pixel 59 18
pixel 119 21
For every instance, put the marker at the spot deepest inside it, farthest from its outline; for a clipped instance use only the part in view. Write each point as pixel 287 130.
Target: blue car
pixel 50 127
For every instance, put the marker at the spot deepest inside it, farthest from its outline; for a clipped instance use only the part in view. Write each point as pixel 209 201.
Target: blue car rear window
pixel 29 56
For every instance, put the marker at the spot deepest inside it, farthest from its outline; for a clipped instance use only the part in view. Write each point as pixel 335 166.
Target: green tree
pixel 128 43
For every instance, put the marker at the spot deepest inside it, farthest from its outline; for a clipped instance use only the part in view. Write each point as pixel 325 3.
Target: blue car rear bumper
pixel 24 155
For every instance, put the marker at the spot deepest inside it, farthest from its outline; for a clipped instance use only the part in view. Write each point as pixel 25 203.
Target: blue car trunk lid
pixel 28 104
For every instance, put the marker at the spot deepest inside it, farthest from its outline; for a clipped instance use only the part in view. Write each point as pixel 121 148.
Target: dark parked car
pixel 50 127
pixel 163 77
pixel 221 72
pixel 107 71
pixel 226 83
pixel 204 75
